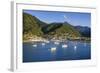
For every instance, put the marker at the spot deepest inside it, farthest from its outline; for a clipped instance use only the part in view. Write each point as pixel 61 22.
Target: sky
pixel 74 18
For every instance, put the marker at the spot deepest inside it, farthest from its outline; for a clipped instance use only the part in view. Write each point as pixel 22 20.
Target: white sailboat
pixel 75 47
pixel 84 44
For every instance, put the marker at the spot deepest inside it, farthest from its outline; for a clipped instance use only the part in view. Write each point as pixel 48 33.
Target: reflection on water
pixel 75 48
pixel 56 51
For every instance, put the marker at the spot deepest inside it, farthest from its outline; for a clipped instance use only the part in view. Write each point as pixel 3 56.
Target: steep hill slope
pixel 33 28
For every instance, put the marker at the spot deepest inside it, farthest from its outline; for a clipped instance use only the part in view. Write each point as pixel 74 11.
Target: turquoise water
pixel 69 50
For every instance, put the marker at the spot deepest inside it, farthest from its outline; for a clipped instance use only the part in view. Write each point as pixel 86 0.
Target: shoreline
pixel 35 40
pixel 47 41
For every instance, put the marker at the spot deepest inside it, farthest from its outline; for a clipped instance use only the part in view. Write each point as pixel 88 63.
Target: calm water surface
pixel 40 51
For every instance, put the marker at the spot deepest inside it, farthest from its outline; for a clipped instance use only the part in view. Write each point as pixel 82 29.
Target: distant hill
pixel 32 26
pixel 84 31
pixel 63 30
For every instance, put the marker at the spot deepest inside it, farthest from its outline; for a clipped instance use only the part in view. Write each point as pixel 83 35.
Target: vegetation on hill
pixel 33 28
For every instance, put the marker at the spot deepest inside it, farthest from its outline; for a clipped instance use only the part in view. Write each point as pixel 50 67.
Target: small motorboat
pixel 57 43
pixel 47 41
pixel 43 44
pixel 34 45
pixel 53 49
pixel 64 46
